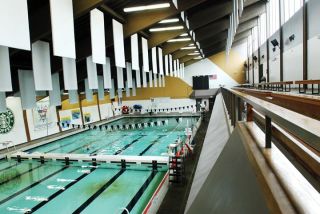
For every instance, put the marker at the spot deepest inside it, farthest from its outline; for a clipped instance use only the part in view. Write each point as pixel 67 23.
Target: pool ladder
pixel 176 169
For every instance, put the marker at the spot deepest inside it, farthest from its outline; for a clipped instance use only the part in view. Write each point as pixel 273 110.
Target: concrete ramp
pixel 231 185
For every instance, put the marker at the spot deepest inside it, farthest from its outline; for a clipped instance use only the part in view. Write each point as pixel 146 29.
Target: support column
pixel 98 104
pixel 249 113
pixel 281 38
pixel 305 41
pixel 26 125
pixel 58 118
pixel 268 132
pixel 81 112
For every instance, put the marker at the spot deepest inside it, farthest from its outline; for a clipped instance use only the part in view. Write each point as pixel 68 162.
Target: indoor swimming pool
pixel 149 141
pixel 82 186
pixel 53 187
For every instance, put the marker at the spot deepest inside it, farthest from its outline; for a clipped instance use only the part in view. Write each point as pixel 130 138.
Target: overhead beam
pixel 222 36
pixel 253 10
pixel 212 29
pixel 186 58
pixel 174 46
pixel 190 62
pixel 181 53
pixel 210 14
pixel 140 21
pixel 157 38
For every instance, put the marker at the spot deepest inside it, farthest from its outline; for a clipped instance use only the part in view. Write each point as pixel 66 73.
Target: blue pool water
pixel 151 141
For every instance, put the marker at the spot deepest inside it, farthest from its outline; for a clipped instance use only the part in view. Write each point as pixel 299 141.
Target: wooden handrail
pixel 305 82
pixel 305 128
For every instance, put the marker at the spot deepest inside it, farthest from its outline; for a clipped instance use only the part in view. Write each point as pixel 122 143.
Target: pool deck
pixel 177 195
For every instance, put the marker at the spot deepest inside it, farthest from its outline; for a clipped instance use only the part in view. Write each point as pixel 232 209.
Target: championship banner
pixel 43 118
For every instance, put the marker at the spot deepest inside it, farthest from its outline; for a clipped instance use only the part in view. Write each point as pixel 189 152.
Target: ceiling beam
pixel 222 36
pixel 186 58
pixel 253 10
pixel 181 53
pixel 140 21
pixel 190 62
pixel 212 29
pixel 210 14
pixel 171 47
pixel 157 38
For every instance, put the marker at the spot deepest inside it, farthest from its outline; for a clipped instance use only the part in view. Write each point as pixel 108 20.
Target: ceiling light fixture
pixel 193 54
pixel 146 7
pixel 179 40
pixel 191 45
pixel 198 57
pixel 166 28
pixel 188 48
pixel 184 34
pixel 169 21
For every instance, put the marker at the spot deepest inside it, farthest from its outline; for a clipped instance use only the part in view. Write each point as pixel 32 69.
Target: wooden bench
pixel 306 83
pixel 279 86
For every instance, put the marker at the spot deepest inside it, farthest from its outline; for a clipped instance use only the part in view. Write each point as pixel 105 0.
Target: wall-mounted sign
pixel 6 121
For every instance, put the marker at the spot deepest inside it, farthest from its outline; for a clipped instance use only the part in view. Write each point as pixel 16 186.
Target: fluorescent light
pixel 169 21
pixel 146 7
pixel 191 45
pixel 188 48
pixel 198 57
pixel 184 34
pixel 179 40
pixel 193 54
pixel 166 28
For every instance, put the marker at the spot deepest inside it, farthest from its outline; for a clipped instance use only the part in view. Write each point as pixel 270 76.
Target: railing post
pixel 238 109
pixel 268 131
pixel 249 113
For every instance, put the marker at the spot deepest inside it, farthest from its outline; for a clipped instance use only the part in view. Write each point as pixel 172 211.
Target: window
pixel 290 7
pixel 274 16
pixel 263 28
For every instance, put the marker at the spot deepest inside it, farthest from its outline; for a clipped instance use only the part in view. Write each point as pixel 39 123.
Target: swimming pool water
pixel 53 187
pixel 150 141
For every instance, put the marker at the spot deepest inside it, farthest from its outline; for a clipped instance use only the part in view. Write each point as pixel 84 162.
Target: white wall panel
pixel 88 91
pixel 293 63
pixel 127 89
pixel 160 55
pixel 55 93
pixel 150 79
pixel 171 65
pixel 112 90
pixel 134 90
pixel 118 44
pixel 135 52
pixel 313 58
pixel 101 88
pixel 5 71
pixel 41 66
pixel 62 25
pixel 175 68
pixel 154 60
pixel 163 81
pixel 129 74
pixel 138 78
pixel 69 74
pixel 27 89
pixel 155 78
pixel 120 77
pixel 144 79
pixel 98 43
pixel 92 73
pixel 107 74
pixel 73 96
pixel 3 103
pixel 14 24
pixel 145 54
pixel 166 64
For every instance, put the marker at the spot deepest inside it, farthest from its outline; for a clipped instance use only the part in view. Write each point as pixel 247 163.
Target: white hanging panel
pixel 55 93
pixel 69 74
pixel 27 89
pixel 92 73
pixel 138 78
pixel 112 90
pixel 134 90
pixel 73 96
pixel 154 60
pixel 135 52
pixel 41 66
pixel 107 74
pixel 144 79
pixel 98 44
pixel 129 74
pixel 3 102
pixel 171 65
pixel 127 90
pixel 155 78
pixel 145 54
pixel 166 64
pixel 101 88
pixel 5 71
pixel 118 44
pixel 120 77
pixel 150 79
pixel 160 56
pixel 62 25
pixel 88 91
pixel 14 22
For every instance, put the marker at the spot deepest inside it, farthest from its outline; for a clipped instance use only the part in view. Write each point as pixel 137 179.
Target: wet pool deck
pixel 177 195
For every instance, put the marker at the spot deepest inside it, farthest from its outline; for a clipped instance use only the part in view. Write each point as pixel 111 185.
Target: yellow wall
pixel 175 88
pixel 233 65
